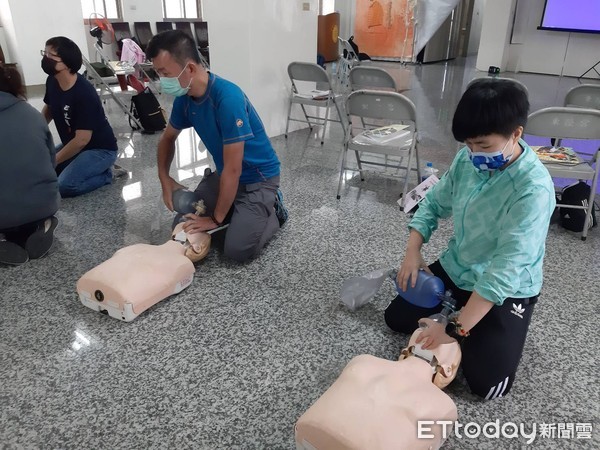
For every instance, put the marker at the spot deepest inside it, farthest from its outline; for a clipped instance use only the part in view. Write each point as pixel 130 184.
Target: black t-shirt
pixel 79 108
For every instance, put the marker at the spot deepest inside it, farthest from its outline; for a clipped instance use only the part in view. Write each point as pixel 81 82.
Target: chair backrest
pixel 201 32
pixel 562 122
pixel 350 55
pixel 381 105
pixel 371 78
pixel 163 26
pixel 122 30
pixel 143 33
pixel 303 71
pixel 584 96
pixel 186 27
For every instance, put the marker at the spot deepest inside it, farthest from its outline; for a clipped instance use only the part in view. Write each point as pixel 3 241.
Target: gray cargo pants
pixel 252 220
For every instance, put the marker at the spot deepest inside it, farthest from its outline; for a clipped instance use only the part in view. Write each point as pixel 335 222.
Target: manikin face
pixel 445 359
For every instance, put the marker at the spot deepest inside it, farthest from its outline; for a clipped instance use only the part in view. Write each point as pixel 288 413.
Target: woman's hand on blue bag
pixel 412 263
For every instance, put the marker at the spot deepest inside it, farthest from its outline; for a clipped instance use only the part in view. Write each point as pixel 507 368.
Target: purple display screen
pixel 583 15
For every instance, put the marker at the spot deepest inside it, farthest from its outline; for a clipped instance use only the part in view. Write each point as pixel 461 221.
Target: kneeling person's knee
pixel 489 390
pixel 239 253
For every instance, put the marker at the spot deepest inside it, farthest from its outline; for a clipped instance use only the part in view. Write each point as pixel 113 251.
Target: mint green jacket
pixel 500 225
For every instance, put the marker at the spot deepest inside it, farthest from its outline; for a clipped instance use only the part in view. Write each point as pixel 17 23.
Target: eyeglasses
pixel 46 53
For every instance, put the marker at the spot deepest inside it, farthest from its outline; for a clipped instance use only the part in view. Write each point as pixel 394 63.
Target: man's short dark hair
pixel 180 45
pixel 490 106
pixel 68 51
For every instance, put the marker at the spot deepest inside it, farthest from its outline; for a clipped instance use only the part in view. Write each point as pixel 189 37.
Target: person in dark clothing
pixel 89 147
pixel 29 195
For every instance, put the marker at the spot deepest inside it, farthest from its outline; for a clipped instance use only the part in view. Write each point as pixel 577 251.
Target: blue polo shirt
pixel 224 115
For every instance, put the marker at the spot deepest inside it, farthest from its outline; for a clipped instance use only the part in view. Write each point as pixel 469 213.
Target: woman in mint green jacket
pixel 500 198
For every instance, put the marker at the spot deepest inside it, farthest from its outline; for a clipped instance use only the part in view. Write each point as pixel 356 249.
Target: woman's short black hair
pixel 490 106
pixel 68 51
pixel 180 45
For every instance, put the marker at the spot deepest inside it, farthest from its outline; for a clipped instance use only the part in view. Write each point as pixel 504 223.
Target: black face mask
pixel 49 66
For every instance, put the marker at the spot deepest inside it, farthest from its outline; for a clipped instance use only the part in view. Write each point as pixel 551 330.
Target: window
pixel 182 9
pixel 326 6
pixel 111 9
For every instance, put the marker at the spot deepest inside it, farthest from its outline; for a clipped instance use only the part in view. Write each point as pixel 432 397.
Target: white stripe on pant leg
pixel 504 388
pixel 494 391
pixel 501 387
pixel 488 396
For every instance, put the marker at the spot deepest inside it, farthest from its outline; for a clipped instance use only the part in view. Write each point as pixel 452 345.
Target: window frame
pixel 182 4
pixel 119 6
pixel 321 7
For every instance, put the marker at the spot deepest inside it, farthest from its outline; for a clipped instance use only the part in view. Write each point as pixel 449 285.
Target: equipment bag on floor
pixel 574 219
pixel 146 109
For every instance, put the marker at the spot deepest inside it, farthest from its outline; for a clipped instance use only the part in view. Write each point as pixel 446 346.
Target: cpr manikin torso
pixel 141 275
pixel 375 404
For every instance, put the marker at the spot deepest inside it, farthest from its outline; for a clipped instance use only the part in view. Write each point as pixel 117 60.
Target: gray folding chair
pixel 362 77
pixel 346 62
pixel 302 71
pixel 392 108
pixel 584 96
pixel 570 123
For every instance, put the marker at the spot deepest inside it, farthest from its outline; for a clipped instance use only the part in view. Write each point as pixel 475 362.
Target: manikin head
pixel 444 359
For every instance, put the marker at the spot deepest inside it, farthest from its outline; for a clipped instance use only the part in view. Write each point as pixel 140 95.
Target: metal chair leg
pixel 342 169
pixel 287 125
pixel 325 120
pixel 310 125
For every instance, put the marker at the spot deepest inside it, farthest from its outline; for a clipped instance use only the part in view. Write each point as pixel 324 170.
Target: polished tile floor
pixel 234 360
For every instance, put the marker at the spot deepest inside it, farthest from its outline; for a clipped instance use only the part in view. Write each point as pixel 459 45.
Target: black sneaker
pixel 40 241
pixel 280 210
pixel 11 253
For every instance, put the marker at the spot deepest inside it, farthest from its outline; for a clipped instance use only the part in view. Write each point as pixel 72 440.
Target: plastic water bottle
pixel 428 171
pixel 427 293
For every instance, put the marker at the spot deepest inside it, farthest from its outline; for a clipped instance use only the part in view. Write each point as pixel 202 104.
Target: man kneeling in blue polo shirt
pixel 245 190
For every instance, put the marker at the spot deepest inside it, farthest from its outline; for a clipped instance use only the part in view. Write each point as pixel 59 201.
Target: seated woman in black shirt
pixel 89 147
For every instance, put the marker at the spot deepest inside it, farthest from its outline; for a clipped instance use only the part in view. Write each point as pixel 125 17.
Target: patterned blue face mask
pixel 171 86
pixel 486 161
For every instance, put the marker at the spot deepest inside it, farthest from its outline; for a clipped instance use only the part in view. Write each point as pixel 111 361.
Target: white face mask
pixel 490 160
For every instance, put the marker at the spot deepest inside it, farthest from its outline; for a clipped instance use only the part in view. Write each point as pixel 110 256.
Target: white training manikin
pixel 139 276
pixel 376 404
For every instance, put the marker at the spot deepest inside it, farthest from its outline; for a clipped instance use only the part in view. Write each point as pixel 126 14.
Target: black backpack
pixel 359 55
pixel 146 109
pixel 574 219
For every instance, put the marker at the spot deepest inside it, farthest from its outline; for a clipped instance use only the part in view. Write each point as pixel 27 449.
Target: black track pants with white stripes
pixel 491 354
